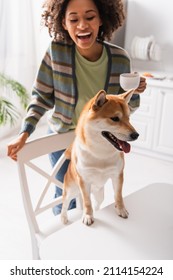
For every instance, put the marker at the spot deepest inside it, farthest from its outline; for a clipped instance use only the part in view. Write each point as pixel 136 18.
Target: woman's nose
pixel 82 24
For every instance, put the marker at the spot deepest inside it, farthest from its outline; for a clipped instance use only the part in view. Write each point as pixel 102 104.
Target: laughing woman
pixel 77 64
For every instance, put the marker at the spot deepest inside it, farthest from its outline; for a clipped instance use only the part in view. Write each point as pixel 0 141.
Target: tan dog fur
pixel 93 158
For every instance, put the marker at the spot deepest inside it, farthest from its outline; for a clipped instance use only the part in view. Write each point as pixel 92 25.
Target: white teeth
pixel 84 34
pixel 112 137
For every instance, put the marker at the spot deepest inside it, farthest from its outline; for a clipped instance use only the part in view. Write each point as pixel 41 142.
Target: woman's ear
pixel 63 24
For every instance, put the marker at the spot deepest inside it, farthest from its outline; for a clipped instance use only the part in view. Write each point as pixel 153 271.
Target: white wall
pixel 42 37
pixel 23 43
pixel 152 17
pixel 22 39
pixel 118 36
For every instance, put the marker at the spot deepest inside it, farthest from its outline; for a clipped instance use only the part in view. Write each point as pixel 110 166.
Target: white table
pixel 146 234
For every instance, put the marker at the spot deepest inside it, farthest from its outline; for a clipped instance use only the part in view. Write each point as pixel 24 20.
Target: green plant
pixel 8 111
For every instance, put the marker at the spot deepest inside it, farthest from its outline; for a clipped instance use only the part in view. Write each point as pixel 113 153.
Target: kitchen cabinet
pixel 154 121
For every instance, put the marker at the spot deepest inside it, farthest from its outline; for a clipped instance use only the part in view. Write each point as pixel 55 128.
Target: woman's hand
pixel 15 145
pixel 142 85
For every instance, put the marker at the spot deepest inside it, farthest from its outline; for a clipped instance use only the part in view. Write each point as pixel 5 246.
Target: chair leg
pixel 35 249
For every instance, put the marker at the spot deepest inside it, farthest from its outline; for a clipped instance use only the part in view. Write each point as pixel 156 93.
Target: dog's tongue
pixel 124 146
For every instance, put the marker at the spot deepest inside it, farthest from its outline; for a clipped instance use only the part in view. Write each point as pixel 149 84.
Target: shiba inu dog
pixel 97 153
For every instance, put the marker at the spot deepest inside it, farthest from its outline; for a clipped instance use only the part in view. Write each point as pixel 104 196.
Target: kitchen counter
pixel 166 83
pixel 160 79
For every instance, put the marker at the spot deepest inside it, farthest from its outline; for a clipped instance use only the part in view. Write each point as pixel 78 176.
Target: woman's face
pixel 82 21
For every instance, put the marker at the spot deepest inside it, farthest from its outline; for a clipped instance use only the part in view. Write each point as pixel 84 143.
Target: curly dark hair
pixel 111 13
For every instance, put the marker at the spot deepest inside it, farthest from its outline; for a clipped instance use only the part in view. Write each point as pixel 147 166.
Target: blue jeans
pixel 60 176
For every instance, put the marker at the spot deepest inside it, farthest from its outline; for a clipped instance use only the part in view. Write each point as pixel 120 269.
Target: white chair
pixel 38 199
pixel 146 234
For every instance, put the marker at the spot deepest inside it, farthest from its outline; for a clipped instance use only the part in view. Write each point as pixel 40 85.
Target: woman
pixel 77 64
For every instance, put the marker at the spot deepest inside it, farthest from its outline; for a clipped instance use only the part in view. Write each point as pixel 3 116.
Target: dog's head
pixel 108 116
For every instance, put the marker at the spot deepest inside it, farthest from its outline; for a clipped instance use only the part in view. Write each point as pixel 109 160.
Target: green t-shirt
pixel 91 77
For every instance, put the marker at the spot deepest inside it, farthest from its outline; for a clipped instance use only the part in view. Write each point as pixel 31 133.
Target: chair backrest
pixel 30 157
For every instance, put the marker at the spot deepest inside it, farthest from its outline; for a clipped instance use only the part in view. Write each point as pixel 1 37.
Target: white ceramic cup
pixel 129 80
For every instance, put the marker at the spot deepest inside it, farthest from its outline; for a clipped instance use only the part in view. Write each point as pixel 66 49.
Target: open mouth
pixel 118 144
pixel 84 36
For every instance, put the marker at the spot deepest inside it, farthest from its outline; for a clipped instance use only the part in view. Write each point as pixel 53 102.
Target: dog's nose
pixel 134 135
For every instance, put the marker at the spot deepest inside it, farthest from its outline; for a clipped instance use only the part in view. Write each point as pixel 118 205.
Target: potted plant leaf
pixel 9 113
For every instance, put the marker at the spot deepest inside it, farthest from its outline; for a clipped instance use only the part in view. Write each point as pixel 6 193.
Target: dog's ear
pixel 127 95
pixel 99 100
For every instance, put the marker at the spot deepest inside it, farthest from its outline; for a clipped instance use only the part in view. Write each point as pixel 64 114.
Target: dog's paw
pixel 122 212
pixel 64 219
pixel 88 220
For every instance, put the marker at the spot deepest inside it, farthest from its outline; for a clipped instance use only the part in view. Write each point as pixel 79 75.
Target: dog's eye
pixel 115 119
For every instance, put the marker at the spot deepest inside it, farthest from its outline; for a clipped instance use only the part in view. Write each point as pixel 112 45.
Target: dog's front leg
pixel 98 197
pixel 119 203
pixel 87 207
pixel 70 191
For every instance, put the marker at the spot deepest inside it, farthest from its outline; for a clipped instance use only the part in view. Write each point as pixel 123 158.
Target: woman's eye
pixel 90 18
pixel 73 20
pixel 115 119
